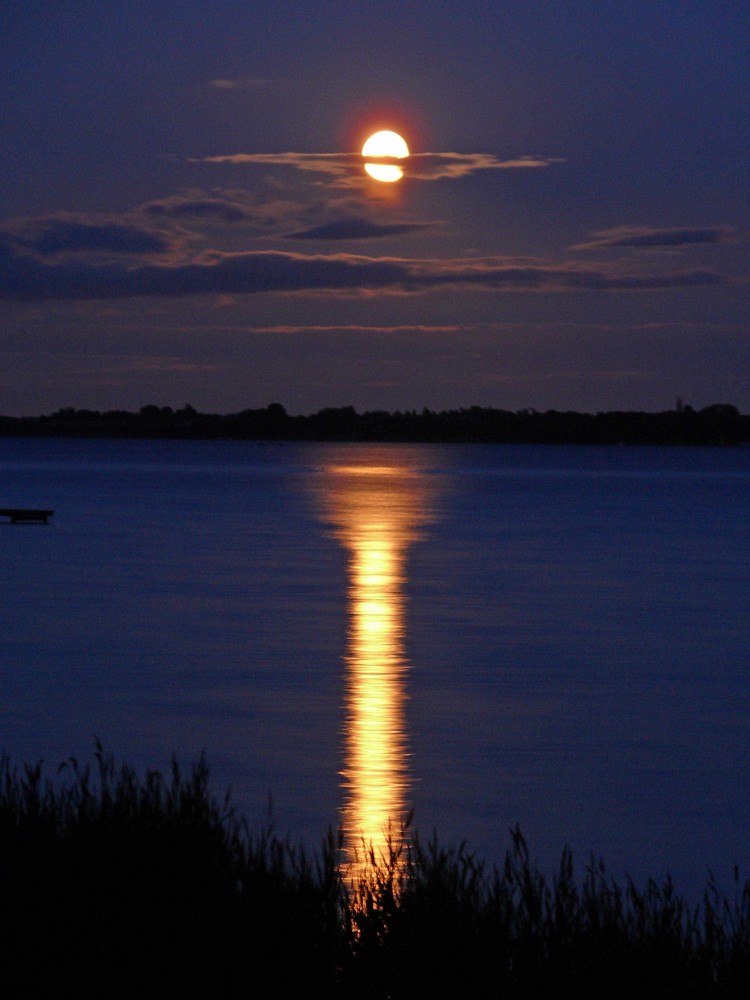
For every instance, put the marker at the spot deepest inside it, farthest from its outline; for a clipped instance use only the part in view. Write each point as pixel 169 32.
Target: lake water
pixel 554 637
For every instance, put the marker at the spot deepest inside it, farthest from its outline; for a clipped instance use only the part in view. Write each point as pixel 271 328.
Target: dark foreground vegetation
pixel 720 424
pixel 120 886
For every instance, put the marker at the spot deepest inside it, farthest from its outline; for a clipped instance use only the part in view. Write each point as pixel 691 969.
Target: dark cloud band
pixel 25 277
pixel 59 235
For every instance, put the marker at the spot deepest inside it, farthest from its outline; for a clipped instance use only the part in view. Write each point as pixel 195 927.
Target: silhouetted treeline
pixel 720 424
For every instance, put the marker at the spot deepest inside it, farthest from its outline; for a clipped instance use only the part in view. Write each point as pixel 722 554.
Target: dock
pixel 26 515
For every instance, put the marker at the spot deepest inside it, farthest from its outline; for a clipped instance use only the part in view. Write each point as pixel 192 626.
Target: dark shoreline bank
pixel 718 425
pixel 120 886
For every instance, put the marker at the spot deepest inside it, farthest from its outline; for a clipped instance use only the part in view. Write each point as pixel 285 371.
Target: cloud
pixel 346 168
pixel 173 226
pixel 336 164
pixel 441 166
pixel 178 207
pixel 649 236
pixel 191 214
pixel 356 228
pixel 25 277
pixel 138 364
pixel 63 234
pixel 290 328
pixel 240 83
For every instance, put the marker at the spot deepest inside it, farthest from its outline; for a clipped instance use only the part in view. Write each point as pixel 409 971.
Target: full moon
pixel 385 144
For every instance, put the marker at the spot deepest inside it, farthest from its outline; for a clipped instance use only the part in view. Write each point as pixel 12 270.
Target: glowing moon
pixel 385 144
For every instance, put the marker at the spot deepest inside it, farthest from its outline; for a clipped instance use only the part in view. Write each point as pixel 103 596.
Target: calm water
pixel 555 637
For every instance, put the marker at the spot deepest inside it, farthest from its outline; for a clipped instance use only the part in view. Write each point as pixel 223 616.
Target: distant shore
pixel 718 425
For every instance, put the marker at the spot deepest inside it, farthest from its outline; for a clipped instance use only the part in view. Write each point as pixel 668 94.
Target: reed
pixel 115 885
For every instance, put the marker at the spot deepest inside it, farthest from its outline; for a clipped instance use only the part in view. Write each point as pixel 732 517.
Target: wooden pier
pixel 26 515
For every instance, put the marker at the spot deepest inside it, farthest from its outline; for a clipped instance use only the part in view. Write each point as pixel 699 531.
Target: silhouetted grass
pixel 118 886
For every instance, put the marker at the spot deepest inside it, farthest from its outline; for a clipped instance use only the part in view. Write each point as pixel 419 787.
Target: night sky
pixel 185 217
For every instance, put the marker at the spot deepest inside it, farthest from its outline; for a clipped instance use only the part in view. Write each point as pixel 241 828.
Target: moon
pixel 389 144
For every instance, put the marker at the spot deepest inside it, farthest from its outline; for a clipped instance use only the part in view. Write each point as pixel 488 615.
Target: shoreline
pixel 718 425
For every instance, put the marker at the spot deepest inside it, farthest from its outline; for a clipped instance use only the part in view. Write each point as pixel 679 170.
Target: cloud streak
pixel 23 277
pixel 344 167
pixel 450 166
pixel 209 209
pixel 357 228
pixel 647 237
pixel 240 83
pixel 65 234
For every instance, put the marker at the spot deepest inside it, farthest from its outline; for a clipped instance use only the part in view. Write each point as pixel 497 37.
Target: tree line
pixel 719 424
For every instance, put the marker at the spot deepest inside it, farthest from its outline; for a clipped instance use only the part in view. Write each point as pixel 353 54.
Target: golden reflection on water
pixel 376 508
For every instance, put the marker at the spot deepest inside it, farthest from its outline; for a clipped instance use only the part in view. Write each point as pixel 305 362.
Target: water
pixel 555 637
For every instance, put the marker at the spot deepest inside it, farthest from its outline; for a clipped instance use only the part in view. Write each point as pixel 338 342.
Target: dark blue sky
pixel 183 219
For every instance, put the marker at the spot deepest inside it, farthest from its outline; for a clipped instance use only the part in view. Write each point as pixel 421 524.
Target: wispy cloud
pixel 290 328
pixel 357 228
pixel 176 224
pixel 195 212
pixel 240 83
pixel 65 234
pixel 216 273
pixel 179 208
pixel 346 168
pixel 650 236
pixel 137 364
pixel 441 166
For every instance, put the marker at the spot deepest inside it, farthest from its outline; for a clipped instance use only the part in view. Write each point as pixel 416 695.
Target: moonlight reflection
pixel 377 507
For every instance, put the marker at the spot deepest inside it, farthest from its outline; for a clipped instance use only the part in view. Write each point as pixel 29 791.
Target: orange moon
pixel 389 144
